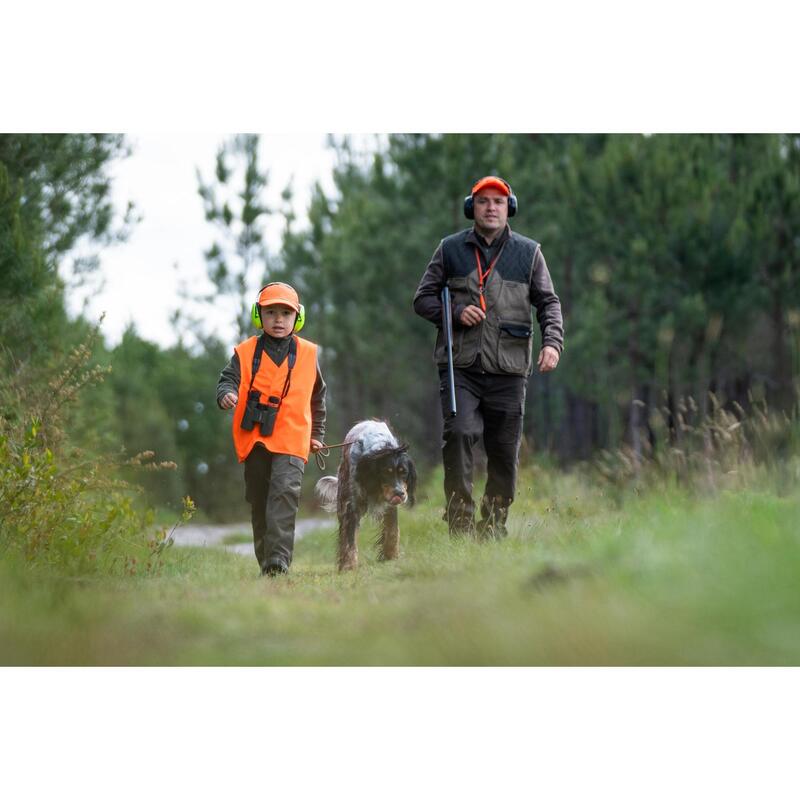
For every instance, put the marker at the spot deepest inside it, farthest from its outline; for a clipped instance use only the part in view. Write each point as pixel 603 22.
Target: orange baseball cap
pixel 491 182
pixel 279 294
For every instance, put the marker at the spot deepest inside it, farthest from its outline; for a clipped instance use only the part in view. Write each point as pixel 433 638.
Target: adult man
pixel 496 278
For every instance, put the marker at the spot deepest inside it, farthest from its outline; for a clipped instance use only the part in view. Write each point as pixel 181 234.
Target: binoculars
pixel 263 414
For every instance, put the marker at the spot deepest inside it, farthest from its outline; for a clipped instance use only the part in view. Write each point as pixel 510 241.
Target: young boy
pixel 275 386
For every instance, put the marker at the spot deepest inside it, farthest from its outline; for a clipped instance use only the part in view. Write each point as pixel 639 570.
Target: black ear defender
pixel 469 201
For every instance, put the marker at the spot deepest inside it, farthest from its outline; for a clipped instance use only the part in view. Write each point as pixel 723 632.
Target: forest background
pixel 676 258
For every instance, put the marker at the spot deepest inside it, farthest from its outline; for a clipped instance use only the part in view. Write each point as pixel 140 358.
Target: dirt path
pixel 215 535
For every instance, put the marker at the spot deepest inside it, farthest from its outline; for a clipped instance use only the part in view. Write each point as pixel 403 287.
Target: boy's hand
pixel 229 400
pixel 316 445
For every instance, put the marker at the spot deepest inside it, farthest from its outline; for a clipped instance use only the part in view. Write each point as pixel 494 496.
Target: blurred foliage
pixel 65 505
pixel 66 509
pixel 65 198
pixel 676 257
pixel 238 216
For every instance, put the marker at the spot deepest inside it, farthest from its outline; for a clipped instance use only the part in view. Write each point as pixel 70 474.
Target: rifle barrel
pixel 447 321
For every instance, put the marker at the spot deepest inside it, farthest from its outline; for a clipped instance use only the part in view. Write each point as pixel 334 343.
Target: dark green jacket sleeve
pixel 548 307
pixel 229 378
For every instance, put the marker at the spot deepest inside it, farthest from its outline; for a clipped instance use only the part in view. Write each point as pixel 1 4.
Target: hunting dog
pixel 377 475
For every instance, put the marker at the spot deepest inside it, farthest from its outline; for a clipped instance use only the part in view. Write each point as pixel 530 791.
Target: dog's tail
pixel 326 490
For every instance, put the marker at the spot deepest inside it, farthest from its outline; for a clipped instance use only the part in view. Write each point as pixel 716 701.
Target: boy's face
pixel 278 320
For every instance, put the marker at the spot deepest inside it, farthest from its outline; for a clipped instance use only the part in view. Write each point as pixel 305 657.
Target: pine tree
pixel 238 257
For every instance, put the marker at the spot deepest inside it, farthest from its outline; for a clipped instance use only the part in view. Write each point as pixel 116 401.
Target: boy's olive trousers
pixel 488 407
pixel 272 487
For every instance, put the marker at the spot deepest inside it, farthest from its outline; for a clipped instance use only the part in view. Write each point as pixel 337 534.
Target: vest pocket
pixel 514 346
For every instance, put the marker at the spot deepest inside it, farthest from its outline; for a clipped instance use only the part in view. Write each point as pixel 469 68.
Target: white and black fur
pixel 376 474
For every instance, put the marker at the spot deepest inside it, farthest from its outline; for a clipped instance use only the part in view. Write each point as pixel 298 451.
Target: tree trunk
pixel 782 364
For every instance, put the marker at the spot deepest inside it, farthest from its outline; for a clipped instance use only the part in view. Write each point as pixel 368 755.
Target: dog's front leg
pixel 390 535
pixel 348 538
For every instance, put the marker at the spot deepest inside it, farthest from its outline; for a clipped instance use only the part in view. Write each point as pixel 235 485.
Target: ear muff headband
pixel 255 312
pixel 469 203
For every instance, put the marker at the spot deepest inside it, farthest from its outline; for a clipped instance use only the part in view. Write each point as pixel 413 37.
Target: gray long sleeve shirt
pixel 277 350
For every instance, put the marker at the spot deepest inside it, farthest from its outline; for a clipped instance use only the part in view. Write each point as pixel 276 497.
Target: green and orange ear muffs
pixel 255 315
pixel 284 294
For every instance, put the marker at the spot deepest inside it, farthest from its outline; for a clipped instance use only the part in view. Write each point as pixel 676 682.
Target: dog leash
pixel 324 452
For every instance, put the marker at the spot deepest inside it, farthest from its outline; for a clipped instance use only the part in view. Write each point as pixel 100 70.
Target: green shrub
pixel 64 508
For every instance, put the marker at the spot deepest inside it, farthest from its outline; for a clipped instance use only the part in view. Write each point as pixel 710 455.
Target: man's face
pixel 278 320
pixel 491 210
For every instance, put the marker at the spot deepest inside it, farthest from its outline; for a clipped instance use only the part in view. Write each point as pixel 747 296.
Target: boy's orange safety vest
pixel 292 432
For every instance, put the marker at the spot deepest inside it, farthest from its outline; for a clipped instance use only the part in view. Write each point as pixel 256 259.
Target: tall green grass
pixel 685 555
pixel 672 576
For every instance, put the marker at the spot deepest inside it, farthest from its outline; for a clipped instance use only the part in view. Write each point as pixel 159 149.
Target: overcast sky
pixel 141 276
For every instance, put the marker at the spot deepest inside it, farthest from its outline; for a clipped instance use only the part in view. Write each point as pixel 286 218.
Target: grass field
pixel 663 578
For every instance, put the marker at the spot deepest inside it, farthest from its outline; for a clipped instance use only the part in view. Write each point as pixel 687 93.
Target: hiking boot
pixel 494 514
pixel 273 570
pixel 462 530
pixel 460 523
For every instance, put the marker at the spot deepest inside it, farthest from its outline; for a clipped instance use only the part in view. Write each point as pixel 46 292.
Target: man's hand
pixel 472 315
pixel 548 359
pixel 229 400
pixel 316 445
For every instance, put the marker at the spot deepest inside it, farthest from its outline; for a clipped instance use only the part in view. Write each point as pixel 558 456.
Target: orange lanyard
pixel 482 276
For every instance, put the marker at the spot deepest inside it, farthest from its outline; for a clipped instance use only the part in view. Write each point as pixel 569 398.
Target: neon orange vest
pixel 292 432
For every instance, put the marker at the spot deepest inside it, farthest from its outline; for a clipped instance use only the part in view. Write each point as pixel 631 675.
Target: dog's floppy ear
pixel 411 473
pixel 411 481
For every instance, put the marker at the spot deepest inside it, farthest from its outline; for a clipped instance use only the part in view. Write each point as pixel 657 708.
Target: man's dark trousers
pixel 490 406
pixel 272 487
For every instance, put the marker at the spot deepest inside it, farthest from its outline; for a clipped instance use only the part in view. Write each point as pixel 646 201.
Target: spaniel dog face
pixel 388 475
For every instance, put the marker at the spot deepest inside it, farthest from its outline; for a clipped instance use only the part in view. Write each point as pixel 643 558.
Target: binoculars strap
pixel 259 352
